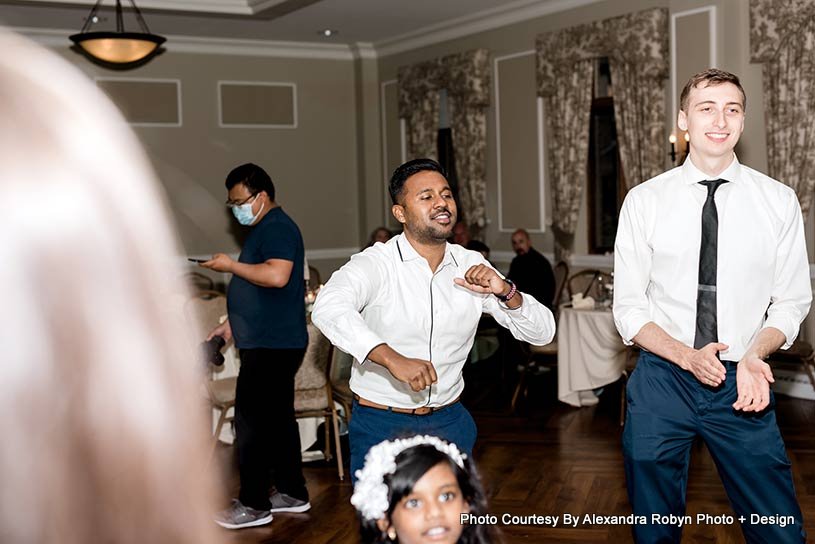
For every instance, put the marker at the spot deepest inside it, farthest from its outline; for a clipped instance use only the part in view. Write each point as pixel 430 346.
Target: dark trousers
pixel 370 426
pixel 266 433
pixel 667 409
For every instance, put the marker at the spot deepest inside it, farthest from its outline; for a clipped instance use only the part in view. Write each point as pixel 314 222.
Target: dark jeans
pixel 266 433
pixel 370 426
pixel 667 409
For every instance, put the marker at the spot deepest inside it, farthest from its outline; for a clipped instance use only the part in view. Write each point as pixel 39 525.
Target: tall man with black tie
pixel 711 277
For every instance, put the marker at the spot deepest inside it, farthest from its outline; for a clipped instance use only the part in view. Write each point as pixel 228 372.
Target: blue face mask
pixel 243 213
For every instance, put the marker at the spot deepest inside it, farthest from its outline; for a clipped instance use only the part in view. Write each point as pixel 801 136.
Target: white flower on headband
pixel 370 492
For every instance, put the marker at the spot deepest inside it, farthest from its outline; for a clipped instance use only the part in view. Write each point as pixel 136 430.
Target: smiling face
pixel 426 208
pixel 431 512
pixel 715 120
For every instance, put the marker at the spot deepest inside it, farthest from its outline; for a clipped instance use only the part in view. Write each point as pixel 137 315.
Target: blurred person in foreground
pixel 105 438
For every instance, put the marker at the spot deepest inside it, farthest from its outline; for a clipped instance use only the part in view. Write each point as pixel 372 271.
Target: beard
pixel 433 233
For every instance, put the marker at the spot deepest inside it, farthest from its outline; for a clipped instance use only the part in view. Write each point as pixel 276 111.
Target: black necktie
pixel 706 327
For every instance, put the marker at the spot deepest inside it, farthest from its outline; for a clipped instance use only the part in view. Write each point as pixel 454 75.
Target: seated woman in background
pixel 104 430
pixel 414 489
pixel 380 234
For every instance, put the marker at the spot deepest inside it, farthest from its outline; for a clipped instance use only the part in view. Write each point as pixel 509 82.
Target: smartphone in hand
pixel 197 260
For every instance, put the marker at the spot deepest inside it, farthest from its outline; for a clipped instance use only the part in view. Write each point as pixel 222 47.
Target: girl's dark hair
pixel 411 465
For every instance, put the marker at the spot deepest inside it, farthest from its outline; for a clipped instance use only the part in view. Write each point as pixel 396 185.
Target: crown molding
pixel 364 50
pixel 489 19
pixel 230 7
pixel 214 46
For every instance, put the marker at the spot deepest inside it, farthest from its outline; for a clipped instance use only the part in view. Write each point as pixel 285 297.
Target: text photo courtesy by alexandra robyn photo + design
pixel 575 520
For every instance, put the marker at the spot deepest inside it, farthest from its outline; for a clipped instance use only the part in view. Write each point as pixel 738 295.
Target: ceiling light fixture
pixel 328 32
pixel 118 49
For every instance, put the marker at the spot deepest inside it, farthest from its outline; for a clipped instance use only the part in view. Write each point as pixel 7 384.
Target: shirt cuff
pixel 364 344
pixel 630 325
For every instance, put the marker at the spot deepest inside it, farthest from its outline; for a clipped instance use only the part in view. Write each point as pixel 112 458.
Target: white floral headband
pixel 370 492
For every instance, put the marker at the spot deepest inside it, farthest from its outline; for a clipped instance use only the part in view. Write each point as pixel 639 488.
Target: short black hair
pixel 254 177
pixel 403 172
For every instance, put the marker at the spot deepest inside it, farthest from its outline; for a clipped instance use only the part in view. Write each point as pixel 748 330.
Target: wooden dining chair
pixel 313 395
pixel 542 356
pixel 207 309
pixel 800 356
pixel 586 282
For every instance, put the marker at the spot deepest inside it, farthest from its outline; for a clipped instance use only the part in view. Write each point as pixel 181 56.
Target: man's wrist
pixel 508 292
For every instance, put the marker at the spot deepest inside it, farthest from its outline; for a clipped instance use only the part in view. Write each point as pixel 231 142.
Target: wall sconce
pixel 672 139
pixel 673 153
pixel 119 49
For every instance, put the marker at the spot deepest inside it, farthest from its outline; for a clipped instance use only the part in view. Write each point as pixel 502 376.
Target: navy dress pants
pixel 370 426
pixel 667 409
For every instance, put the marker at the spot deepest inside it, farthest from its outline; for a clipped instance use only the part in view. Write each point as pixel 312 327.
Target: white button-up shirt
pixel 388 294
pixel 762 270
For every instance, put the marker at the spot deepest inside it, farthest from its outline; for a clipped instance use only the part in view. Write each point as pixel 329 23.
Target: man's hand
pixel 703 364
pixel 483 279
pixel 417 373
pixel 223 330
pixel 753 379
pixel 220 262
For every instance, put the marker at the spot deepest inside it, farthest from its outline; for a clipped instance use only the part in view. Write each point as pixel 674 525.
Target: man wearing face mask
pixel 267 319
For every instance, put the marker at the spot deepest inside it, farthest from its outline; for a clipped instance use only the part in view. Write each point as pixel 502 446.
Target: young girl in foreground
pixel 415 490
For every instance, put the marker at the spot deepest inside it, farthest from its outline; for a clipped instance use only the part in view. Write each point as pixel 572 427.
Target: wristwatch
pixel 512 290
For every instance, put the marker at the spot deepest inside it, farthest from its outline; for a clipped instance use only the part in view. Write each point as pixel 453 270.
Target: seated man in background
pixel 531 271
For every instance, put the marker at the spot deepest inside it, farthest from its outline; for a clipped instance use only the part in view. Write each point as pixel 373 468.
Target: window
pixel 606 186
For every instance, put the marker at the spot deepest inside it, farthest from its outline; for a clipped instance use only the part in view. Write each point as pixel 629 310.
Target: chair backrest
pixel 312 390
pixel 199 282
pixel 206 310
pixel 587 282
pixel 313 373
pixel 561 274
pixel 314 280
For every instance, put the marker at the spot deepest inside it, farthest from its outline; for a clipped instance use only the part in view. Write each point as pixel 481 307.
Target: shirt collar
pixel 691 174
pixel 408 253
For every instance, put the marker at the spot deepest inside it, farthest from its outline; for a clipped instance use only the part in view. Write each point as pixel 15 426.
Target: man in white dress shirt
pixel 407 310
pixel 711 277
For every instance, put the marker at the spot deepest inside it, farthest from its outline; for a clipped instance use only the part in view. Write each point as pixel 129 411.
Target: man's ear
pixel 398 212
pixel 682 120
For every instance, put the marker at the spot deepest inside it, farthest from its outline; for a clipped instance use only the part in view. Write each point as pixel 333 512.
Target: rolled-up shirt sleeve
pixel 792 290
pixel 632 271
pixel 339 303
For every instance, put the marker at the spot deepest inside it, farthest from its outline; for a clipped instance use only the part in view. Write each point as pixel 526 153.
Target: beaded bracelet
pixel 512 290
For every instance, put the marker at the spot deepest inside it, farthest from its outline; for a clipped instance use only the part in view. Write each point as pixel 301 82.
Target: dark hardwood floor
pixel 549 459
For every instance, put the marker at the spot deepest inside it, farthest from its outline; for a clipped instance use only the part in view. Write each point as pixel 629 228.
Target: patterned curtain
pixel 637 47
pixel 638 58
pixel 419 106
pixel 782 37
pixel 466 77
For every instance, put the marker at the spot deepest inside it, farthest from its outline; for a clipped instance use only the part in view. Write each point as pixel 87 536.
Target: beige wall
pixel 314 166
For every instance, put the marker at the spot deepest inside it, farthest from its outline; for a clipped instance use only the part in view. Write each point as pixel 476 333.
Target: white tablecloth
pixel 591 354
